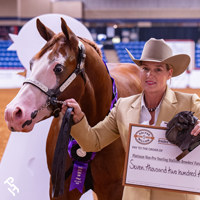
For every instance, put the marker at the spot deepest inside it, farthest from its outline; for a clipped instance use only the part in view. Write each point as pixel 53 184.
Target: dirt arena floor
pixel 6 95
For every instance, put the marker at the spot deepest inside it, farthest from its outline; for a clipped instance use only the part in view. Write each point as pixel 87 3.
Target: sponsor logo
pixel 144 136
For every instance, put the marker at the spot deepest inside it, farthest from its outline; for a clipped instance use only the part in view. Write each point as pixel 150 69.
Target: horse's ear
pixel 45 32
pixel 66 30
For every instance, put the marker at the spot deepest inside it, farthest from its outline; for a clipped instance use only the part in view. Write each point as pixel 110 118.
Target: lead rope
pixel 60 155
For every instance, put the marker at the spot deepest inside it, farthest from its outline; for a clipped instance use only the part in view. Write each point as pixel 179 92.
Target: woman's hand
pixel 196 129
pixel 78 114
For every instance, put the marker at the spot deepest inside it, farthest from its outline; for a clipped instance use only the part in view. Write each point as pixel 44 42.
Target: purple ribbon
pixel 79 170
pixel 78 176
pixel 114 88
pixel 70 145
pixel 115 95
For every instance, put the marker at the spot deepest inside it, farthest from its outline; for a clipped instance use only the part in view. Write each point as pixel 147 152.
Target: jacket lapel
pixel 133 114
pixel 168 107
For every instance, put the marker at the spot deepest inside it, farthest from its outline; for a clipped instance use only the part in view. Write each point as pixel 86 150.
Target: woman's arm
pixel 92 139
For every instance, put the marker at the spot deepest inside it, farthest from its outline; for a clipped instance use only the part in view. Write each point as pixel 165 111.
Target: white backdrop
pixel 186 79
pixel 23 169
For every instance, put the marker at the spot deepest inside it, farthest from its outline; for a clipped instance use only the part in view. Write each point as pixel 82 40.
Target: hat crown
pixel 157 50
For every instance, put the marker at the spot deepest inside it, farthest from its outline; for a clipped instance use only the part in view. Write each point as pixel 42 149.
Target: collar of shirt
pixel 145 115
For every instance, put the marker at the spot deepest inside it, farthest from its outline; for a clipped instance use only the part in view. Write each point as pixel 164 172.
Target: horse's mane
pixel 93 44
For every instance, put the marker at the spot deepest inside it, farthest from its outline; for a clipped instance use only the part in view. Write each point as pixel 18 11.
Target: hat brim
pixel 179 62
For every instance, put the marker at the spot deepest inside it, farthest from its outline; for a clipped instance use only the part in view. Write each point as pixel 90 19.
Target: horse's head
pixel 53 68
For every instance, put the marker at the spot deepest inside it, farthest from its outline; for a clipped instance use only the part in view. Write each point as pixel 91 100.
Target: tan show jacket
pixel 116 124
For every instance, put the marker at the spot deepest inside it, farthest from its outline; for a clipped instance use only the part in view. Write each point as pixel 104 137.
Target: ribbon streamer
pixel 78 176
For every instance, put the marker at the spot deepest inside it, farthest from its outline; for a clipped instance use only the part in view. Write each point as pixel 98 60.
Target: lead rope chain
pixel 34 114
pixel 60 102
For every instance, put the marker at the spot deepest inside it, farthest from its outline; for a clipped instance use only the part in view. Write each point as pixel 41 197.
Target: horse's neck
pixel 97 97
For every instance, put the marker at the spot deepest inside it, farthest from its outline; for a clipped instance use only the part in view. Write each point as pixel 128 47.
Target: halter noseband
pixel 54 94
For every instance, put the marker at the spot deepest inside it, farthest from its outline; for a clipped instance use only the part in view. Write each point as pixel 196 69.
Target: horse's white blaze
pixel 43 71
pixel 60 59
pixel 30 98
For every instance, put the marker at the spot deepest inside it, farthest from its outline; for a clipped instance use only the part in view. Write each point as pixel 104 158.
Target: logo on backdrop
pixel 9 181
pixel 144 136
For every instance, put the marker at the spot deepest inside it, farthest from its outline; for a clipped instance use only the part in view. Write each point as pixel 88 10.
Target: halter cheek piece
pixel 54 94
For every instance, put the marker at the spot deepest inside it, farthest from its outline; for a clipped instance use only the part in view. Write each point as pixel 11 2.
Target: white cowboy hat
pixel 159 51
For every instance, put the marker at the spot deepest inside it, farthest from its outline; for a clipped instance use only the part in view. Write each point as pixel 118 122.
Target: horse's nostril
pixel 12 129
pixel 18 114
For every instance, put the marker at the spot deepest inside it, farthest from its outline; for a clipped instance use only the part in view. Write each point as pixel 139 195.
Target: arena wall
pixel 141 14
pixel 8 8
pixel 71 8
pixel 29 9
pixel 17 12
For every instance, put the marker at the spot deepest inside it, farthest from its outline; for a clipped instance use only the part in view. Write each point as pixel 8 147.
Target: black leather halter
pixel 52 100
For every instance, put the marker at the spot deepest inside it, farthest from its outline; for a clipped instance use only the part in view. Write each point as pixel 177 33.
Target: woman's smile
pixel 150 82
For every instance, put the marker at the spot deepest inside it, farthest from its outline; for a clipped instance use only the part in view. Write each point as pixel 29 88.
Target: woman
pixel 156 104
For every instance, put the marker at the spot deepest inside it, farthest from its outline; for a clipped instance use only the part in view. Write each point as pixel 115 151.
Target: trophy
pixel 179 132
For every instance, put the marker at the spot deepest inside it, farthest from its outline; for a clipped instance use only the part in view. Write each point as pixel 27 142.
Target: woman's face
pixel 154 76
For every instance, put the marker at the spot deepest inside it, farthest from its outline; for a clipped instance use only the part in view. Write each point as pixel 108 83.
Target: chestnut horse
pixel 91 87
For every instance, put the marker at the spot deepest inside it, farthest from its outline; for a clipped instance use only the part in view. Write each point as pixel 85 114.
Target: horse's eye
pixel 58 69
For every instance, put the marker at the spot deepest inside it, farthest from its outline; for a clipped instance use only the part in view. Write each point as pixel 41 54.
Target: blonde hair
pixel 168 66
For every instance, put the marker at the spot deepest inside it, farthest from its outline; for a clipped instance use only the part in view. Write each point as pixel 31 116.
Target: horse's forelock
pixel 49 45
pixel 46 47
pixel 71 45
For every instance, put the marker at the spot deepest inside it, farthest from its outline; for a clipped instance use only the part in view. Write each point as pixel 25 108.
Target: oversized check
pixel 151 162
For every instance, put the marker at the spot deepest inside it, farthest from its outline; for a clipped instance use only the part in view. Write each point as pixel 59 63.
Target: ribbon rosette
pixel 81 161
